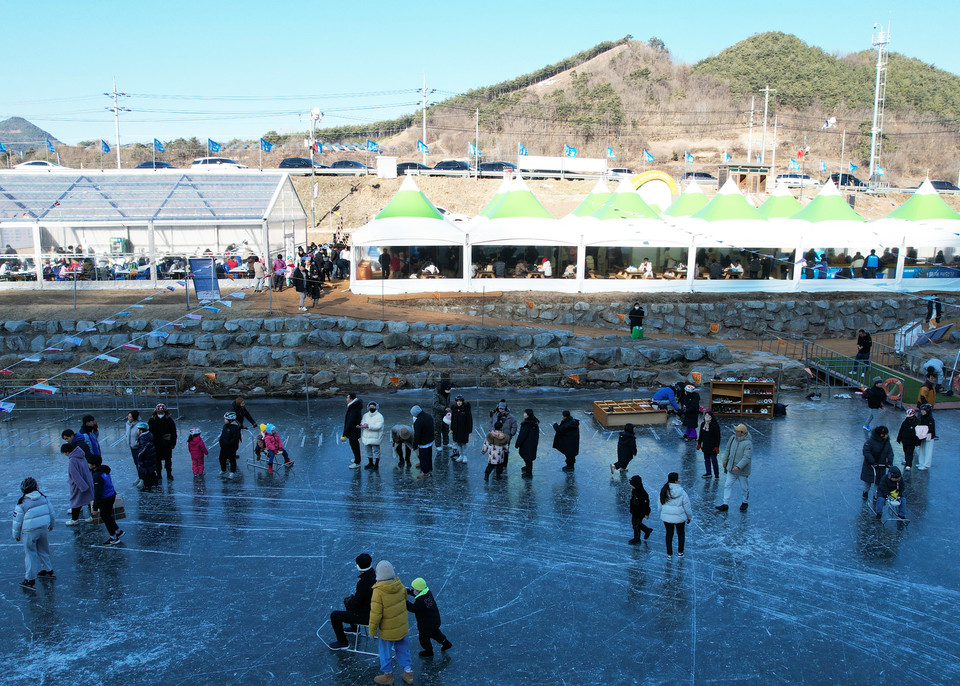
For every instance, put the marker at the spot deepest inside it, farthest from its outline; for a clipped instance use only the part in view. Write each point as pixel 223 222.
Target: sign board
pixel 204 275
pixel 386 167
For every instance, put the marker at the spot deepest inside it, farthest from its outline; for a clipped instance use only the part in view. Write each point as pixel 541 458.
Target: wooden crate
pixel 614 414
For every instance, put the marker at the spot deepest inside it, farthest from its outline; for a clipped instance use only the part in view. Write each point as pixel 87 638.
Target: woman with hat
pixel 691 412
pixel 164 431
pixel 461 426
pixel 229 444
pixel 907 437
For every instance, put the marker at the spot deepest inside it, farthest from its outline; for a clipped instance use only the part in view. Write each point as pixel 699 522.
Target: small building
pixel 750 178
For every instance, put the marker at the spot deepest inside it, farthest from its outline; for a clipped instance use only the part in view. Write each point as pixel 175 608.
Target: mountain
pixel 19 135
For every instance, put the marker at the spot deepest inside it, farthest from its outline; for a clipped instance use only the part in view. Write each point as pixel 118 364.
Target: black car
pixel 945 186
pixel 154 165
pixel 496 167
pixel 848 180
pixel 350 167
pixel 300 163
pixel 411 168
pixel 452 165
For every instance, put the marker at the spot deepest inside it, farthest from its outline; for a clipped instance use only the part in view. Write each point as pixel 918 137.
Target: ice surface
pixel 226 583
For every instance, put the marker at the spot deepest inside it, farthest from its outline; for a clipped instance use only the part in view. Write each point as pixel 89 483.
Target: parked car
pixel 618 173
pixel 300 163
pixel 702 178
pixel 797 180
pixel 347 167
pixel 945 186
pixel 216 163
pixel 847 180
pixel 411 168
pixel 453 216
pixel 150 164
pixel 39 165
pixel 452 165
pixel 495 167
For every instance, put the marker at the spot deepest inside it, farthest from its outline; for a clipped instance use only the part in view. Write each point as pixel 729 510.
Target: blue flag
pixel 265 146
pixel 726 156
pixel 853 167
pixel 212 145
pixel 794 165
pixel 521 150
pixel 472 149
pixel 647 155
pixel 823 166
pixel 2 148
pixel 318 147
pixel 688 157
pixel 158 146
pixel 372 146
pixel 569 151
pixel 610 154
pixel 103 146
pixel 759 158
pixel 422 147
pixel 880 171
pixel 50 146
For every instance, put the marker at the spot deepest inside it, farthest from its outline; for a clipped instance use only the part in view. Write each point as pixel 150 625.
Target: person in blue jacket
pixel 666 396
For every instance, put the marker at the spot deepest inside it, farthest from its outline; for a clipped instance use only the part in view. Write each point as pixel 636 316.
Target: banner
pixel 212 145
pixel 103 146
pixel 521 150
pixel 204 278
pixel 50 146
pixel 158 146
pixel 610 154
pixel 422 147
pixel 569 151
pixel 265 146
pixel 647 156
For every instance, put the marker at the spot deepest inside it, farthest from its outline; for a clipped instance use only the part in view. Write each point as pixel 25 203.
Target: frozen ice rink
pixel 227 582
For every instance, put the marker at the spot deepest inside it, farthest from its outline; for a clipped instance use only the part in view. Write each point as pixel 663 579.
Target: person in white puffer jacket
pixel 675 512
pixel 371 434
pixel 32 519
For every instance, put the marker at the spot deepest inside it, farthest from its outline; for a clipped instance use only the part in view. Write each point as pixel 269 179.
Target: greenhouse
pixel 127 226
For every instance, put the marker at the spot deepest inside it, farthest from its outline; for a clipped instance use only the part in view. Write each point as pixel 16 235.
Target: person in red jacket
pixel 198 450
pixel 274 445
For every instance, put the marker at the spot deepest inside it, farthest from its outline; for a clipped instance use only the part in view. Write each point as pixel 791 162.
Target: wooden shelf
pixel 742 398
pixel 618 413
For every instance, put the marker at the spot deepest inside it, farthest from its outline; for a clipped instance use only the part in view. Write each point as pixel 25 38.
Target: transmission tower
pixel 880 41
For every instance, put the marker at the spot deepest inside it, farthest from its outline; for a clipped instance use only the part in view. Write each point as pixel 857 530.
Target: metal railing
pixel 86 395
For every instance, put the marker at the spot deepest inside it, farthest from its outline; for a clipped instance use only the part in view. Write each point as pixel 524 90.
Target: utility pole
pixel 773 160
pixel 763 139
pixel 315 116
pixel 880 41
pixel 750 140
pixel 116 114
pixel 423 108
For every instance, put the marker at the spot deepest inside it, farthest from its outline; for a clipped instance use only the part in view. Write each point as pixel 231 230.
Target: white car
pixel 797 181
pixel 618 173
pixel 39 165
pixel 453 216
pixel 216 163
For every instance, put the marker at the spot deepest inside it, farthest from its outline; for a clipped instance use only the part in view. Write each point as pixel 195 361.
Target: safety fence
pixel 85 395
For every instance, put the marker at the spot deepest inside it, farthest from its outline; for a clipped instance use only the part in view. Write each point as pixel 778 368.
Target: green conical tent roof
pixel 728 204
pixel 593 202
pixel 625 203
pixel 829 205
pixel 518 202
pixel 780 204
pixel 410 202
pixel 690 202
pixel 497 197
pixel 925 204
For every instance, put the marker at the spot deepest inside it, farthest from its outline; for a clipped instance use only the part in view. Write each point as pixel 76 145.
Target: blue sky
pixel 238 69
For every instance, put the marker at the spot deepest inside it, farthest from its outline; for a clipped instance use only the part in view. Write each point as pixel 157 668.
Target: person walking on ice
pixel 424 608
pixel 639 509
pixel 32 519
pixel 737 457
pixel 674 512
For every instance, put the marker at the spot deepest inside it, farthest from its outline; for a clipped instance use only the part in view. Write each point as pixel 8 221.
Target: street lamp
pixel 315 118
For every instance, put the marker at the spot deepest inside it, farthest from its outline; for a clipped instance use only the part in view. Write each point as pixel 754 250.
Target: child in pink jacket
pixel 274 446
pixel 198 450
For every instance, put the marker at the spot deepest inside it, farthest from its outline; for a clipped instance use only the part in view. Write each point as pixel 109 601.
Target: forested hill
pixel 805 75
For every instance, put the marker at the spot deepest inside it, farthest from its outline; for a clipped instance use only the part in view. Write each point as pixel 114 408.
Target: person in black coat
pixel 907 437
pixel 528 440
pixel 709 444
pixel 877 457
pixel 876 398
pixel 357 606
pixel 315 280
pixel 423 440
pixel 300 285
pixel 424 608
pixel 626 449
pixel 146 458
pixel 351 427
pixel 639 509
pixel 239 408
pixel 229 444
pixel 635 316
pixel 461 426
pixel 385 264
pixel 164 431
pixel 567 439
pixel 691 412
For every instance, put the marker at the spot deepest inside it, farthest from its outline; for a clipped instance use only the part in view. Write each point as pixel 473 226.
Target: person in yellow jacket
pixel 388 619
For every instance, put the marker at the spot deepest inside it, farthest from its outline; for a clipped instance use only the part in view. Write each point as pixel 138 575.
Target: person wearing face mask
pixel 371 434
pixel 164 431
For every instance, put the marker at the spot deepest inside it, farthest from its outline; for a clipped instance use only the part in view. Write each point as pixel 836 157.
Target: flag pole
pixel 843 143
pixel 773 159
pixel 476 145
pixel 260 164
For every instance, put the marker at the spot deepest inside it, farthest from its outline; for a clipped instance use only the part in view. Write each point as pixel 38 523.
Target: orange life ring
pixel 890 383
pixel 956 384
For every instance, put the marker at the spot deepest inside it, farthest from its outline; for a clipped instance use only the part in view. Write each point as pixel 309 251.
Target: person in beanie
pixel 146 458
pixel 639 509
pixel 635 316
pixel 877 457
pixel 736 466
pixel 691 412
pixel 351 427
pixel 229 444
pixel 388 622
pixel 626 449
pixel 567 439
pixel 401 436
pixel 164 431
pixel 494 447
pixel 502 420
pixel 32 519
pixel 907 437
pixel 356 610
pixel 371 434
pixel 461 426
pixel 198 450
pixel 528 440
pixel 104 496
pixel 80 480
pixel 927 433
pixel 709 444
pixel 423 440
pixel 424 608
pixel 876 398
pixel 891 487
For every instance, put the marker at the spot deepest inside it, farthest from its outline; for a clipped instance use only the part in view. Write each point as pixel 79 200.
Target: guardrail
pixel 86 395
